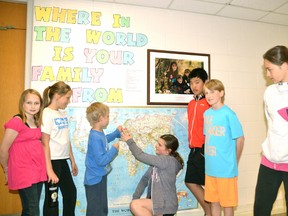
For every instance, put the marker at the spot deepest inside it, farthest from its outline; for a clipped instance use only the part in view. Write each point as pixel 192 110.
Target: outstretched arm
pixel 139 154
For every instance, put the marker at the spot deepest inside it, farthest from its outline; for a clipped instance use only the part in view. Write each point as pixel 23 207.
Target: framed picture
pixel 167 76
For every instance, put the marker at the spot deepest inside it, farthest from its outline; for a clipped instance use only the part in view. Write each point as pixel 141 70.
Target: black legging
pixel 67 188
pixel 267 187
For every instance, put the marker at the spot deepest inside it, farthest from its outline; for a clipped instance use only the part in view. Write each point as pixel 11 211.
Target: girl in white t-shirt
pixel 57 148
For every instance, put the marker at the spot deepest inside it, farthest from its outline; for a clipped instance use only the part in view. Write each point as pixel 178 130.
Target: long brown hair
pixel 172 143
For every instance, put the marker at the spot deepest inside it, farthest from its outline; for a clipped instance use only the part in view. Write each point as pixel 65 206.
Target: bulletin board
pixel 100 50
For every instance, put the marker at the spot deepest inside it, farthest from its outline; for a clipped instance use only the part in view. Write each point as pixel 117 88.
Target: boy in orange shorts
pixel 224 141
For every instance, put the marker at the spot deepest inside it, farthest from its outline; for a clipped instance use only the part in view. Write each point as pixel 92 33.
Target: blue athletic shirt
pixel 221 128
pixel 99 156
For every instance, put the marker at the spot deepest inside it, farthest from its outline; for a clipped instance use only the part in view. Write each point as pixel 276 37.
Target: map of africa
pixel 146 125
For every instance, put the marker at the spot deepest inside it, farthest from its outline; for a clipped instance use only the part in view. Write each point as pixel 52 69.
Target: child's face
pixel 161 147
pixel 104 121
pixel 180 80
pixel 276 73
pixel 196 85
pixel 31 105
pixel 214 97
pixel 63 100
pixel 174 67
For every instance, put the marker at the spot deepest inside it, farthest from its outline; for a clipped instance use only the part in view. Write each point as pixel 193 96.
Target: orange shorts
pixel 222 190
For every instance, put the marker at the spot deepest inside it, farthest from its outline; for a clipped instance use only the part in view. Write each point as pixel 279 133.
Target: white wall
pixel 236 48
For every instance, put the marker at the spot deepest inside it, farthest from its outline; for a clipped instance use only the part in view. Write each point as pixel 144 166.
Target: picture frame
pixel 163 87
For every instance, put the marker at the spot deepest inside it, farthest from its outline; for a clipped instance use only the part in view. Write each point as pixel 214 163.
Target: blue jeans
pixel 96 196
pixel 30 198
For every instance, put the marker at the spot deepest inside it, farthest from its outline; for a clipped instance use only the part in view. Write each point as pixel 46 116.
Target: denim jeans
pixel 96 196
pixel 30 198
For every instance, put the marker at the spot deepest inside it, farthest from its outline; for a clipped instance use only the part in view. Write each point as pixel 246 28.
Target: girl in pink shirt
pixel 22 154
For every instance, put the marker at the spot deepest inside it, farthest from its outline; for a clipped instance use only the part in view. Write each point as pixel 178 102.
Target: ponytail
pixel 178 157
pixel 46 98
pixel 60 88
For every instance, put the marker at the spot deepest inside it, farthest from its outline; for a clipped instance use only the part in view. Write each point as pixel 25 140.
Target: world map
pixel 146 125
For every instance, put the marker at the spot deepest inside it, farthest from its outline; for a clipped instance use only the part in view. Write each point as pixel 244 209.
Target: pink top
pixel 26 163
pixel 274 166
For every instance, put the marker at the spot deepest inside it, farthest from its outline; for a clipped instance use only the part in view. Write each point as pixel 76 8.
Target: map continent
pixel 145 125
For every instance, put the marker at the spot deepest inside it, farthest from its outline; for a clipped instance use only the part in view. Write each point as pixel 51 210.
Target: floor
pixel 20 215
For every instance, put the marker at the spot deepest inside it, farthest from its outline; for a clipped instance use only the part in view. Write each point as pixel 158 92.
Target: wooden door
pixel 12 65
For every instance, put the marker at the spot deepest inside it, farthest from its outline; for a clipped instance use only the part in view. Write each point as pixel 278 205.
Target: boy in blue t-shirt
pixel 223 147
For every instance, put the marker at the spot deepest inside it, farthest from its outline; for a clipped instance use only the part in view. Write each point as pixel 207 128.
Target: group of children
pixel 173 82
pixel 36 148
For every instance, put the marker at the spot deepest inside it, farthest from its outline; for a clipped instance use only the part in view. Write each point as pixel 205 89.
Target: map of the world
pixel 146 125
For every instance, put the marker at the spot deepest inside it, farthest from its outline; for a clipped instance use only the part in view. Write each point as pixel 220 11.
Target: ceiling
pixel 264 11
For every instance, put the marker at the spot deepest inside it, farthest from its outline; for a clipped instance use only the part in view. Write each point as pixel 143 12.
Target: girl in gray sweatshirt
pixel 160 177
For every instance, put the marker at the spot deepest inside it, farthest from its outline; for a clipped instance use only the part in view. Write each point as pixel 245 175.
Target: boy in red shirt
pixel 195 173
